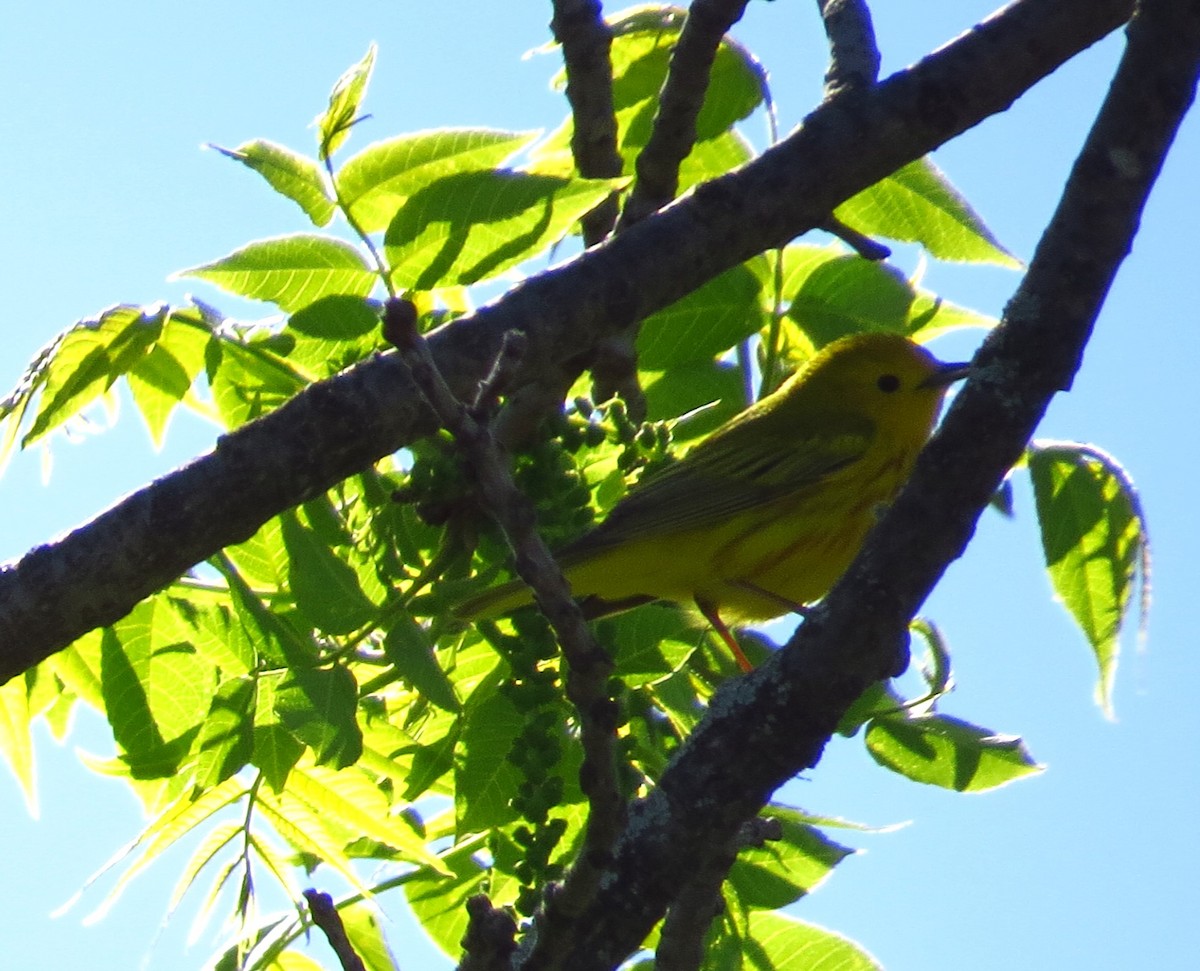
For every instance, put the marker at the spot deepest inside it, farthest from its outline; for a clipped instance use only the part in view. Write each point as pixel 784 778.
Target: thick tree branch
pixel 586 41
pixel 96 574
pixel 763 729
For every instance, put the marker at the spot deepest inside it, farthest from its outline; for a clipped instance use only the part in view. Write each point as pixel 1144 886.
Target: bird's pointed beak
pixel 947 374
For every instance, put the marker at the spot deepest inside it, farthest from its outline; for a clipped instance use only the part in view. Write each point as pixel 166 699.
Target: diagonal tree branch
pixel 96 574
pixel 586 41
pixel 679 104
pixel 588 665
pixel 786 711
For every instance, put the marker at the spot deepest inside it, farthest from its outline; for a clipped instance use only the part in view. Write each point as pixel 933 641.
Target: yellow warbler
pixel 764 514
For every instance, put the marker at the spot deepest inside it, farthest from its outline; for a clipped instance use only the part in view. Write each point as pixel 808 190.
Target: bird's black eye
pixel 887 383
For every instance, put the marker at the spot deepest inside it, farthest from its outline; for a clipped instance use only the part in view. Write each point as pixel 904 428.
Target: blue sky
pixel 107 191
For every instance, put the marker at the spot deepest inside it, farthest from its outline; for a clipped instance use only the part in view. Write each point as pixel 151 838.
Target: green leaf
pixel 319 708
pixel 258 632
pixel 408 648
pixel 333 125
pixel 1095 541
pixel 701 395
pixel 784 870
pixel 161 379
pixel 333 333
pixel 376 182
pixel 363 928
pixel 325 586
pixel 289 271
pixel 707 322
pixel 713 157
pixel 248 380
pixel 226 738
pixel 208 621
pixel 81 365
pixel 276 752
pixel 779 943
pixel 471 226
pixel 157 688
pixel 930 316
pixel 214 841
pixel 918 204
pixel 16 742
pixel 943 751
pixel 439 903
pixel 261 560
pixel 174 822
pixel 78 667
pixel 292 175
pixel 832 294
pixel 653 641
pixel 306 830
pixel 351 802
pixel 485 781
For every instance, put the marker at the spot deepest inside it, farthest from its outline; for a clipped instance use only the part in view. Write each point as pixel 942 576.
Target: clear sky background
pixel 106 191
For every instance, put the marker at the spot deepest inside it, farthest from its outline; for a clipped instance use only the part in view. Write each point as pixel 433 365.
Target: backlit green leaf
pixel 943 751
pixel 783 870
pixel 318 707
pixel 918 204
pixel 471 226
pixel 16 742
pixel 334 124
pixel 289 173
pixel 325 586
pixel 363 928
pixel 290 271
pixel 157 688
pixel 780 943
pixel 408 648
pixel 82 364
pixel 226 737
pixel 376 182
pixel 1095 542
pixel 707 322
pixel 439 903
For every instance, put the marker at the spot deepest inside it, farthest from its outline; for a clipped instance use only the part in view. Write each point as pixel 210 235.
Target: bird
pixel 763 515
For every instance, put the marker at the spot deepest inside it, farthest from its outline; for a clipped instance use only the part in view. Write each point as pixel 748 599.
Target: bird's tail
pixel 494 602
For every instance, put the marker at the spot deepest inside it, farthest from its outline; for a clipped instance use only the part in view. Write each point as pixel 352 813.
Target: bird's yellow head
pixel 886 378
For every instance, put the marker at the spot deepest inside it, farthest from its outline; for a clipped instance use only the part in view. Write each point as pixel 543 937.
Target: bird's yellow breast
pixel 759 564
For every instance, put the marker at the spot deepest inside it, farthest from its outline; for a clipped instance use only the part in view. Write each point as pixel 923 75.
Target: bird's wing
pixel 726 475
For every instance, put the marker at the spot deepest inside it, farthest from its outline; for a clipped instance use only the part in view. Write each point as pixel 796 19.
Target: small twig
pixel 588 664
pixel 526 407
pixel 586 41
pixel 853 65
pixel 674 132
pixel 681 944
pixel 672 138
pixel 615 373
pixel 864 246
pixel 490 938
pixel 326 917
pixel 853 56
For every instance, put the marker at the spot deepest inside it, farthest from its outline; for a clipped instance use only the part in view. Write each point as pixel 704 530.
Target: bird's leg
pixel 789 606
pixel 709 610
